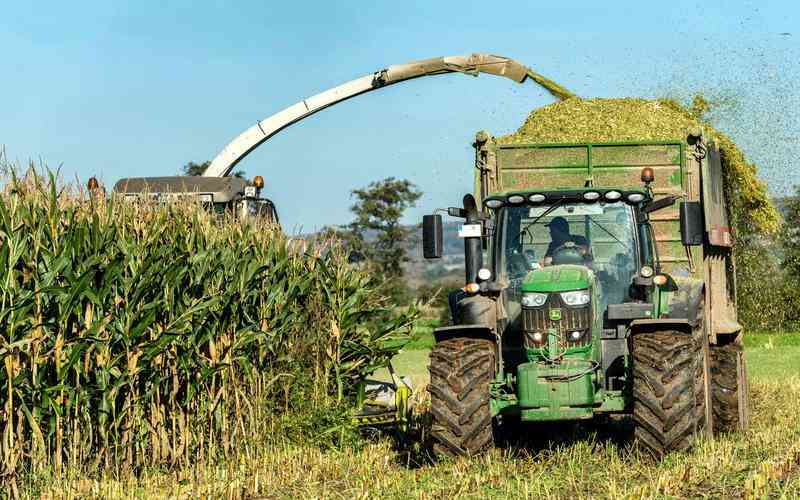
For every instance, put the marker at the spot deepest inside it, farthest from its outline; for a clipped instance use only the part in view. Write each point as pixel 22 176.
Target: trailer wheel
pixel 729 388
pixel 668 390
pixel 461 370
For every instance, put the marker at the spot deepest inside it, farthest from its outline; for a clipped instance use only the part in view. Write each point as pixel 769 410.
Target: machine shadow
pixel 526 438
pixel 519 439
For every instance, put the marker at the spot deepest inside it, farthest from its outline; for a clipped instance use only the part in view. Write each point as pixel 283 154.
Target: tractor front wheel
pixel 668 390
pixel 461 370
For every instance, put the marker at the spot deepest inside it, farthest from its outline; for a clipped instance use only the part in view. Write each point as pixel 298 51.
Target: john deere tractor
pixel 599 280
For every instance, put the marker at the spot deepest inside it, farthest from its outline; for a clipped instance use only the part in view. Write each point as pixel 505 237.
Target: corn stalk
pixel 157 334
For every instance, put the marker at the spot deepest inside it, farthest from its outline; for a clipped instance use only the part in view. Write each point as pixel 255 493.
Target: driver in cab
pixel 561 238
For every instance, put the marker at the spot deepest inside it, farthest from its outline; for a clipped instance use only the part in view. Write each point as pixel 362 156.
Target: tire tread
pixel 461 370
pixel 668 390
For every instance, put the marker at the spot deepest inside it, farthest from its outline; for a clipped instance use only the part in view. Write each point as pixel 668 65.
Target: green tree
pixel 790 246
pixel 193 168
pixel 767 272
pixel 376 233
pixel 760 284
pixel 790 234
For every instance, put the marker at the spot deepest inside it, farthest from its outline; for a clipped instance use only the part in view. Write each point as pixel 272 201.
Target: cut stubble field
pixel 552 461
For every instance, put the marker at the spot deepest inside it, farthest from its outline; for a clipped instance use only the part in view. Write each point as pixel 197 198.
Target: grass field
pixel 768 356
pixel 773 356
pixel 556 461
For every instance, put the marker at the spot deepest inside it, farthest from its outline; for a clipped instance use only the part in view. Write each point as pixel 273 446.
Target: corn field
pixel 142 334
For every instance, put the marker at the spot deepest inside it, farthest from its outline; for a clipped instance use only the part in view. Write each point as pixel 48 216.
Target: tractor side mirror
pixel 659 204
pixel 432 238
pixel 692 224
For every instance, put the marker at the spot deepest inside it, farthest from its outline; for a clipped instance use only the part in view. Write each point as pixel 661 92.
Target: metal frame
pixel 472 64
pixel 589 146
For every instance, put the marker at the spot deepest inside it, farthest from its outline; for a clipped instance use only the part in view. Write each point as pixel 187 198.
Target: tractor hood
pixel 561 278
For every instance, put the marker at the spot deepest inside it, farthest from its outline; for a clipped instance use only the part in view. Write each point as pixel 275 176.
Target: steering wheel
pixel 568 253
pixel 517 264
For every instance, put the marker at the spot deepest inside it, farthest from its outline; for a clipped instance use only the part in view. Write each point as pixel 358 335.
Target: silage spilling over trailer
pixel 577 120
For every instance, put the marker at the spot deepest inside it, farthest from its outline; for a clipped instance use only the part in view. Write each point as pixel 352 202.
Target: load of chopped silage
pixel 632 119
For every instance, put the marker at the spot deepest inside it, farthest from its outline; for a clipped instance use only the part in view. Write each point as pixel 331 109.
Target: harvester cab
pixel 222 195
pixel 576 302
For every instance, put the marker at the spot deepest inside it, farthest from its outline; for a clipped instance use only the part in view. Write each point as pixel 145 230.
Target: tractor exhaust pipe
pixel 473 248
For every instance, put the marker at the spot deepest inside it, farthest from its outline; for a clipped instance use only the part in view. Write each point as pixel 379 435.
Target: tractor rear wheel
pixel 729 389
pixel 668 390
pixel 461 370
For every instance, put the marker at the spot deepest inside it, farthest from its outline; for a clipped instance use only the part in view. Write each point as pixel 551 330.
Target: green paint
pixel 558 145
pixel 501 401
pixel 676 178
pixel 524 164
pixel 557 279
pixel 613 401
pixel 555 389
pixel 550 414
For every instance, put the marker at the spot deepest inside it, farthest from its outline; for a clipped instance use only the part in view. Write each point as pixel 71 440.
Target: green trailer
pixel 599 280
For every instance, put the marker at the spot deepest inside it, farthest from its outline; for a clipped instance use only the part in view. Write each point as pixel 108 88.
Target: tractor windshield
pixel 601 236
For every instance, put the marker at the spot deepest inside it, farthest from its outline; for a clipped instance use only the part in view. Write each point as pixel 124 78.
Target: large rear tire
pixel 668 390
pixel 461 370
pixel 729 388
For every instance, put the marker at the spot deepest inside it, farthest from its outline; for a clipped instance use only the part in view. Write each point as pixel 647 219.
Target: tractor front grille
pixel 537 319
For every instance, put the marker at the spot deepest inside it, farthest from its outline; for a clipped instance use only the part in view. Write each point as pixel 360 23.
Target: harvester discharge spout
pixel 472 64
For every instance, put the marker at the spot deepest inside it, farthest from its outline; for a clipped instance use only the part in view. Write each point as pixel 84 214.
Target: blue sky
pixel 119 89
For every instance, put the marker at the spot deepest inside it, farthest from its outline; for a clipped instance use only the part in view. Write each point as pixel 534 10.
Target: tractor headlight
pixel 591 196
pixel 635 197
pixel 538 338
pixel 537 198
pixel 576 297
pixel 494 203
pixel 534 299
pixel 576 336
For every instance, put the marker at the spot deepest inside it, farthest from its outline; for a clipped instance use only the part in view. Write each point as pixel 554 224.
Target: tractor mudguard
pixel 464 331
pixel 472 309
pixel 687 301
pixel 682 325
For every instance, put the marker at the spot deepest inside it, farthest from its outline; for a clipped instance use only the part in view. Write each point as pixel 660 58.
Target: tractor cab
pixel 600 230
pixel 573 265
pixel 595 229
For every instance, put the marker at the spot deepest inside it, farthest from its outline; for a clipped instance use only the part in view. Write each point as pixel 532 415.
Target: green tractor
pixel 599 280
